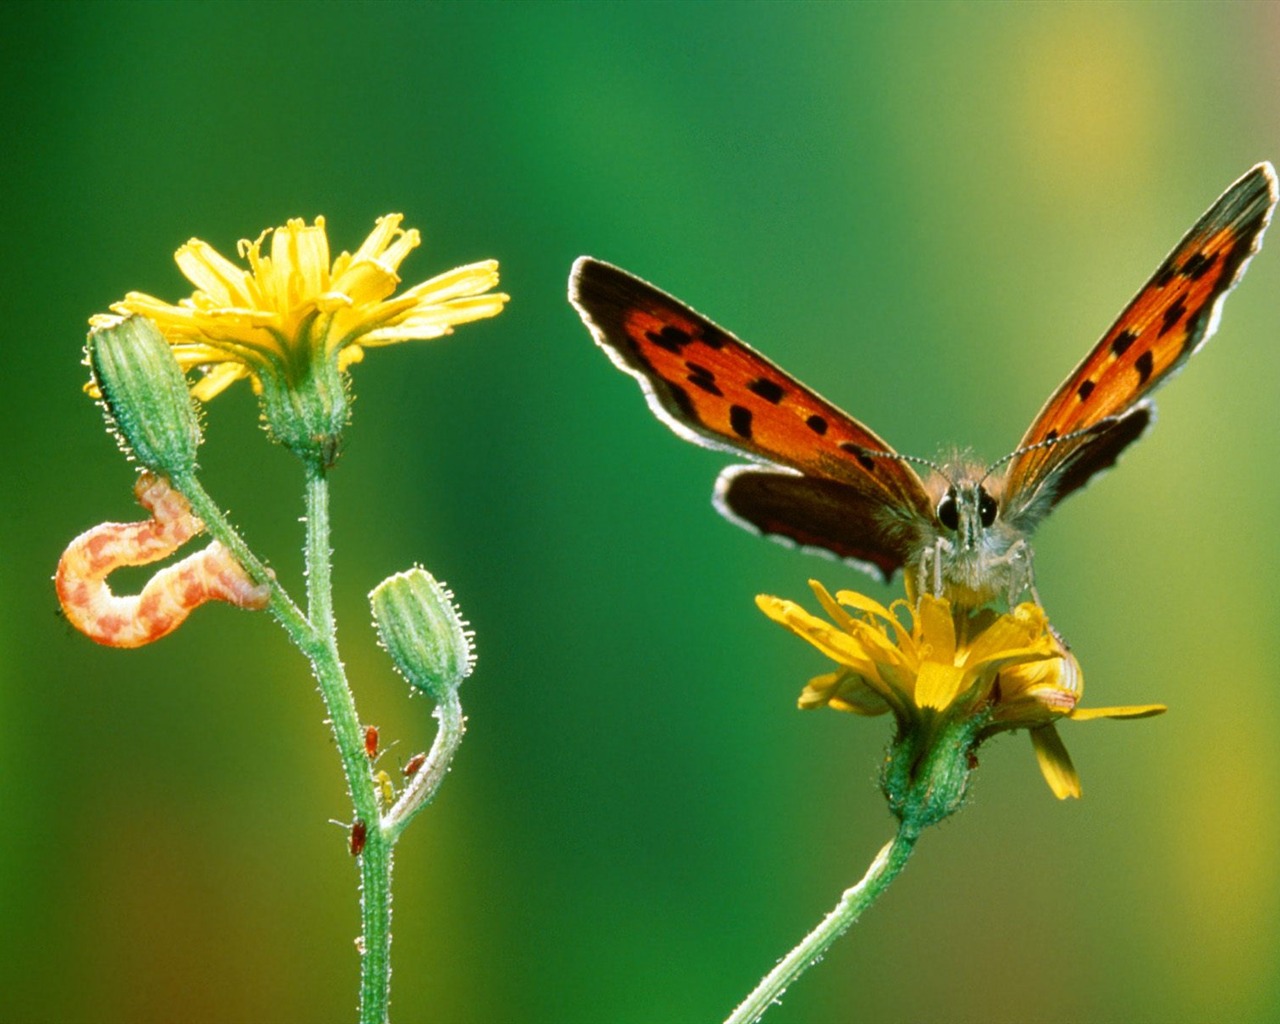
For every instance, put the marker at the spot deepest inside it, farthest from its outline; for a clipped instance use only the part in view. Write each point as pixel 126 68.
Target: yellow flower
pixel 934 666
pixel 294 306
pixel 293 322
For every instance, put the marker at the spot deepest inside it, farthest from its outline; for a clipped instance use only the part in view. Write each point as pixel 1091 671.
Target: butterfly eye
pixel 986 507
pixel 949 510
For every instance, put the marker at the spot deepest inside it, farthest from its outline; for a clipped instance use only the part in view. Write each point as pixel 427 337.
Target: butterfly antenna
pixel 909 458
pixel 1048 442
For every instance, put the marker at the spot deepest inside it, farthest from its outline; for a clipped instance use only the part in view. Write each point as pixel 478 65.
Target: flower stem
pixel 282 607
pixel 375 859
pixel 314 633
pixel 422 789
pixel 884 869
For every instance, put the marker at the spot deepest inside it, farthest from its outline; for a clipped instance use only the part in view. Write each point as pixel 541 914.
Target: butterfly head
pixel 971 553
pixel 966 511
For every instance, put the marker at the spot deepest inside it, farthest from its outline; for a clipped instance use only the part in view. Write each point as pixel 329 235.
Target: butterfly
pixel 823 480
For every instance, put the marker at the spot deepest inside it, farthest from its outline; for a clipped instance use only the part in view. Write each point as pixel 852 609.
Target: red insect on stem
pixel 371 741
pixel 359 833
pixel 415 765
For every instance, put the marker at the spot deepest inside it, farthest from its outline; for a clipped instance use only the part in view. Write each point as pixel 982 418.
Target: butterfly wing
pixel 825 486
pixel 823 516
pixel 1097 407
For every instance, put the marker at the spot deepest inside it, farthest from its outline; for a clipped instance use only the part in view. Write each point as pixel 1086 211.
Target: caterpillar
pixel 170 595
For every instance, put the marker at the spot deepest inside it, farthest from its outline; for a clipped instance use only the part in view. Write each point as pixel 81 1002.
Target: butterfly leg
pixel 1024 579
pixel 929 570
pixel 1021 572
pixel 922 572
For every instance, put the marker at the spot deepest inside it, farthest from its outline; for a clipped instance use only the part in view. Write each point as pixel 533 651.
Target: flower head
pixel 949 675
pixel 293 321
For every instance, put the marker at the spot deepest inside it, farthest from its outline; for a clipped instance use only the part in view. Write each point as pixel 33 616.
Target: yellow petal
pixel 937 684
pixel 393 255
pixel 857 708
pixel 1004 635
pixel 212 273
pixel 819 690
pixel 217 379
pixel 366 282
pixel 300 255
pixel 471 279
pixel 843 691
pixel 852 599
pixel 1127 711
pixel 842 648
pixel 937 628
pixel 829 605
pixel 1055 763
pixel 1061 673
pixel 385 230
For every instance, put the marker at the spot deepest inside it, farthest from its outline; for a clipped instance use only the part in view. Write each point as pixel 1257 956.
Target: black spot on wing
pixel 860 453
pixel 1165 274
pixel 1198 265
pixel 671 338
pixel 1144 364
pixel 1171 317
pixel 740 420
pixel 817 424
pixel 1085 389
pixel 769 390
pixel 701 377
pixel 1122 342
pixel 682 400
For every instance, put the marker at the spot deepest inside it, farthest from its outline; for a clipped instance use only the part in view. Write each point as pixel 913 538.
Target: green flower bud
pixel 144 394
pixel 420 627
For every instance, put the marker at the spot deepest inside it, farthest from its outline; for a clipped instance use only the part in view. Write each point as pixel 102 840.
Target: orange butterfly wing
pixel 714 390
pixel 1170 319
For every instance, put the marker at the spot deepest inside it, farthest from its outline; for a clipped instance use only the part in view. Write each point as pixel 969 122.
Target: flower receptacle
pixel 926 772
pixel 307 411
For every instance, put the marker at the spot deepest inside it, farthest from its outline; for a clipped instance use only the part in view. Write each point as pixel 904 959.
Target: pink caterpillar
pixel 170 595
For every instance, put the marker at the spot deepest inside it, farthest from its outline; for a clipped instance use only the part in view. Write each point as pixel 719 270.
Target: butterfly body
pixel 968 551
pixel 822 480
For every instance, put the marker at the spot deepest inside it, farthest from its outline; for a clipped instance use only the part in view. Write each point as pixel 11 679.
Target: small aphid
pixel 415 765
pixel 170 595
pixel 359 833
pixel 371 741
pixel 385 787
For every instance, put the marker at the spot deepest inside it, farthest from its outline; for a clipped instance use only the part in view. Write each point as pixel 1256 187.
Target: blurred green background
pixel 929 213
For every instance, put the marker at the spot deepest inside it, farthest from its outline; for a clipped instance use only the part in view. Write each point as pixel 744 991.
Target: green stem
pixel 889 861
pixel 314 635
pixel 281 606
pixel 423 788
pixel 375 860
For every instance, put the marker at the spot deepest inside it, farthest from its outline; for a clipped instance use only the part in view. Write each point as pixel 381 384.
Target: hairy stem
pixel 889 861
pixel 282 607
pixel 426 782
pixel 375 859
